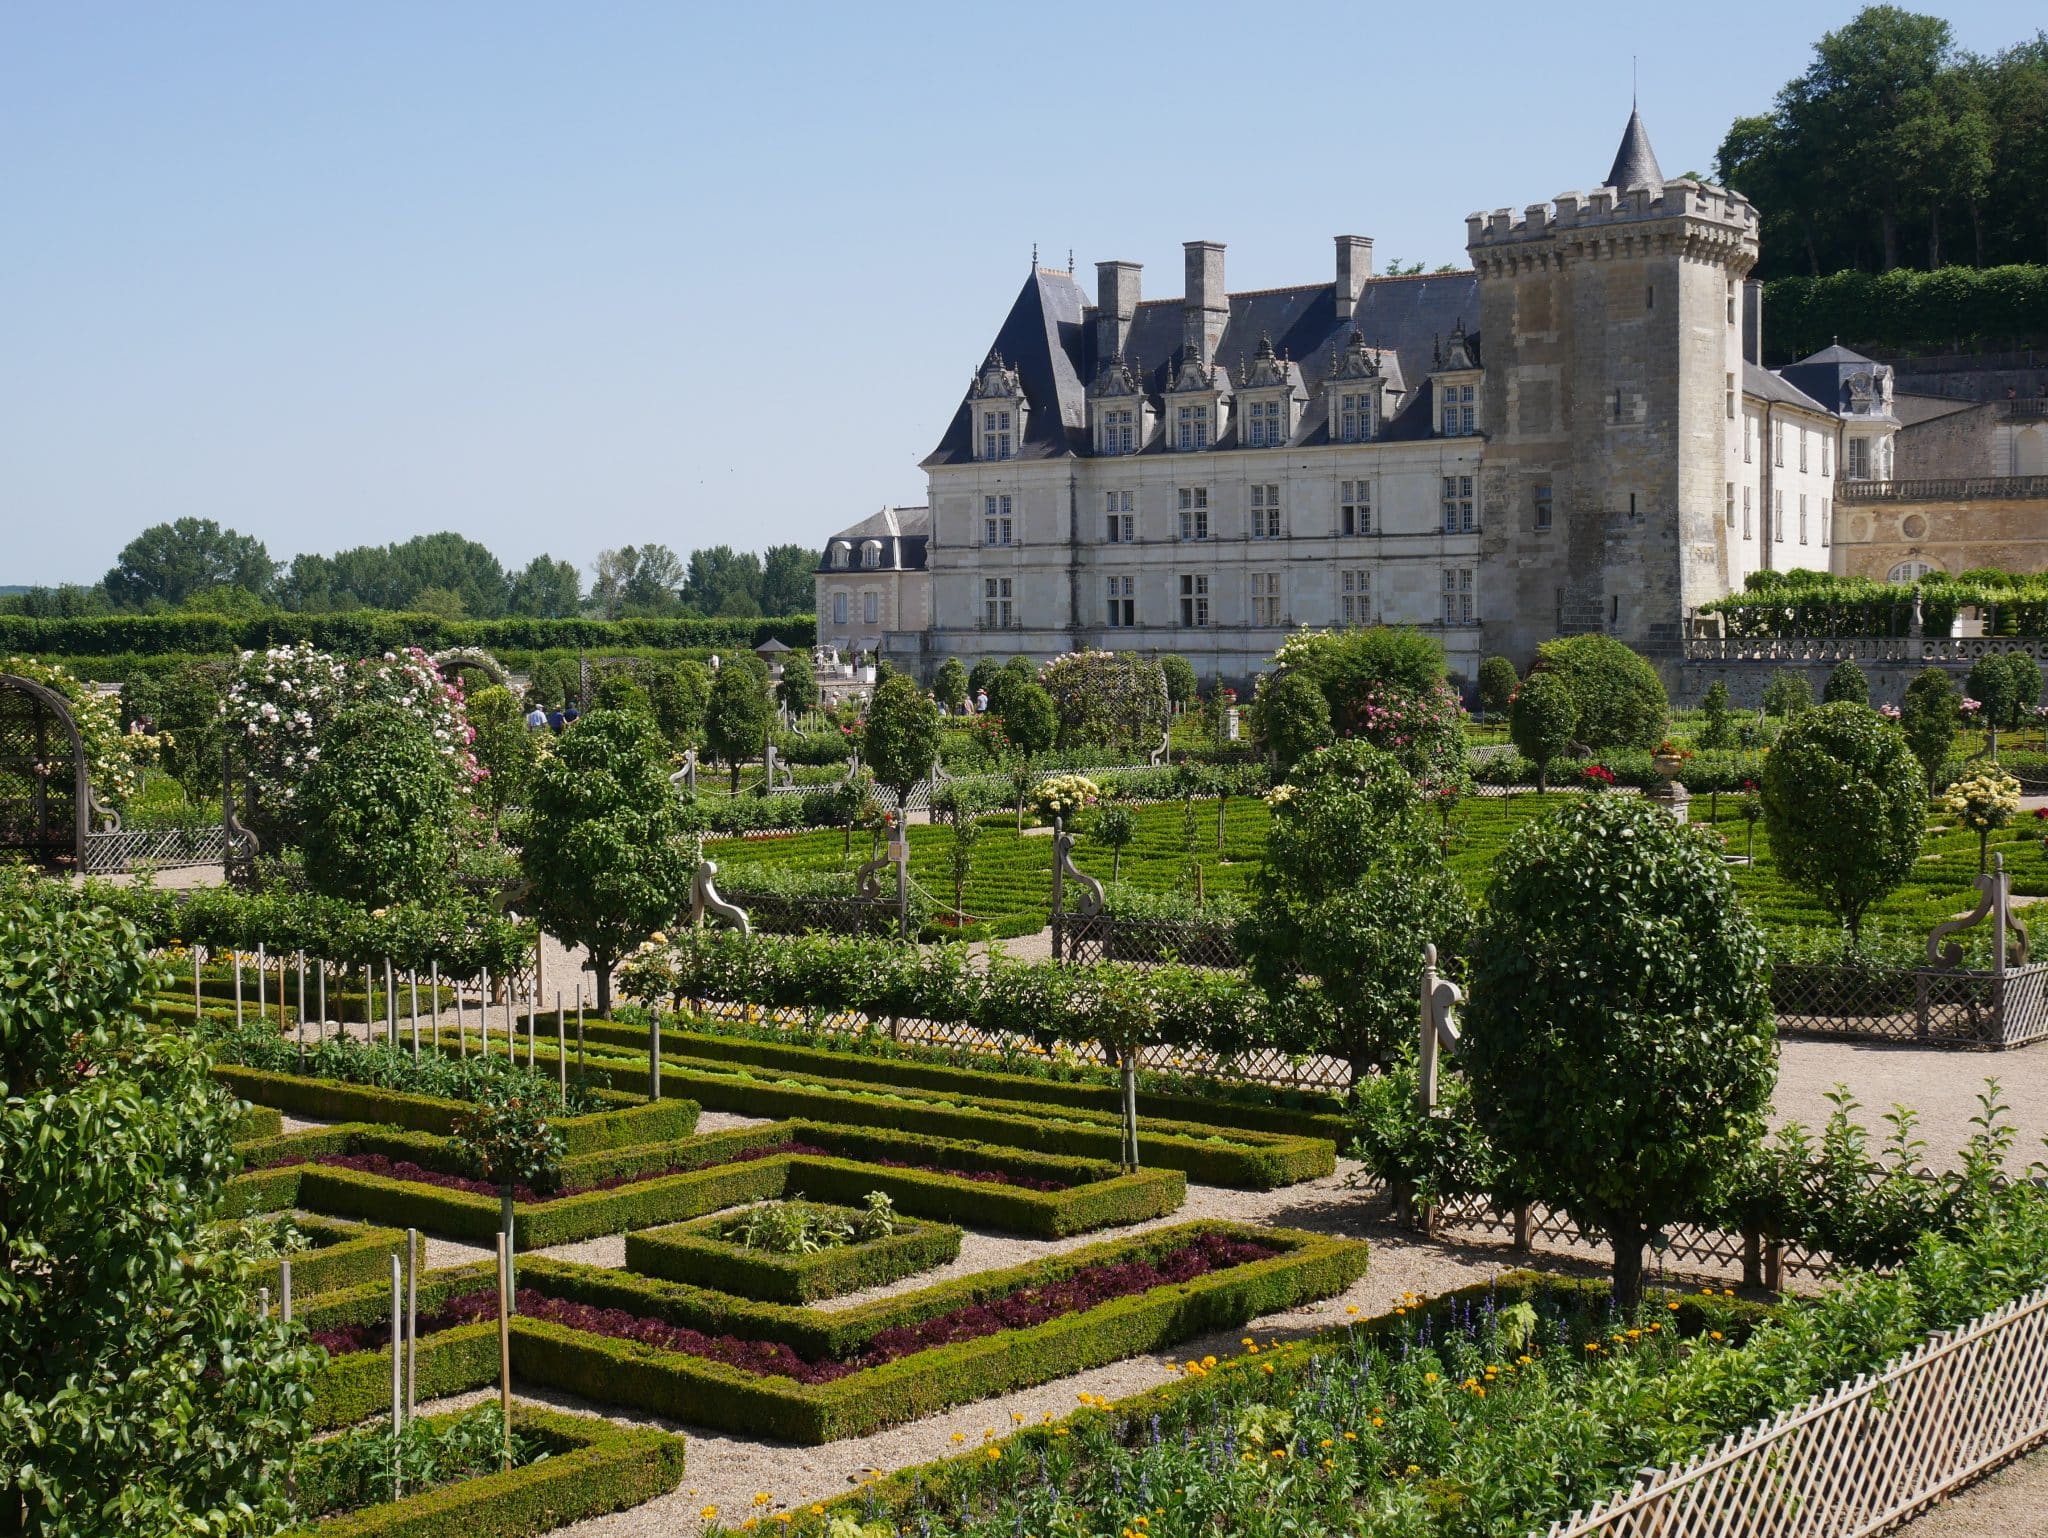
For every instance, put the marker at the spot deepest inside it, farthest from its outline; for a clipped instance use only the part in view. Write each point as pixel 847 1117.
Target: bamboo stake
pixel 504 1354
pixel 261 1008
pixel 434 988
pixel 412 1319
pixel 237 957
pixel 284 1284
pixel 561 1050
pixel 413 983
pixel 579 1027
pixel 397 1386
pixel 197 1005
pixel 280 995
pixel 654 1057
pixel 461 1041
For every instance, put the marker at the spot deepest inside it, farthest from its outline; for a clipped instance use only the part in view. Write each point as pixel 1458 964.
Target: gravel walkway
pixel 2013 1503
pixel 1941 1084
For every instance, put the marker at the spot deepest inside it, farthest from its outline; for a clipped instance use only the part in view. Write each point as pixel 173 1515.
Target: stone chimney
pixel 1116 302
pixel 1354 266
pixel 1206 308
pixel 1753 322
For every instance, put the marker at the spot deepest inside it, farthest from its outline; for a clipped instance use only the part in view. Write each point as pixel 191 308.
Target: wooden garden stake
pixel 197 1005
pixel 461 1041
pixel 562 1049
pixel 236 956
pixel 483 1013
pixel 280 995
pixel 434 991
pixel 654 1057
pixel 390 1005
pixel 321 968
pixel 260 1006
pixel 263 1303
pixel 412 980
pixel 412 1318
pixel 397 1371
pixel 579 1026
pixel 504 1352
pixel 530 1001
pixel 284 1289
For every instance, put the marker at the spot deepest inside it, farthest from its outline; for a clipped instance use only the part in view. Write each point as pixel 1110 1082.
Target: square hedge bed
pixel 1238 1159
pixel 627 1119
pixel 685 1178
pixel 694 1253
pixel 592 1467
pixel 344 1254
pixel 607 1370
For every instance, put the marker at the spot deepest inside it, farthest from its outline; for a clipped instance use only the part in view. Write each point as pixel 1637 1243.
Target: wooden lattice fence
pixel 1861 1458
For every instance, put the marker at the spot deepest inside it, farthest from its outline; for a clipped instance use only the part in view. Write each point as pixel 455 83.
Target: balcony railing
pixel 1958 489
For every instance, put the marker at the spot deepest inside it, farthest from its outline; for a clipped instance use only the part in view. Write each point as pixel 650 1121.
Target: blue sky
pixel 564 277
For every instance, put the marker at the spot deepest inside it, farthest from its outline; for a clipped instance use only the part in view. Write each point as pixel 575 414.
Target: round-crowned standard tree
pixel 950 686
pixel 901 737
pixel 798 688
pixel 1929 719
pixel 1292 718
pixel 1846 682
pixel 1992 685
pixel 736 716
pixel 1030 719
pixel 2025 675
pixel 1718 731
pixel 1622 703
pixel 1844 805
pixel 1619 1038
pixel 142 1391
pixel 1786 693
pixel 1497 683
pixel 505 749
pixel 1353 891
pixel 378 809
pixel 1541 721
pixel 606 840
pixel 1181 683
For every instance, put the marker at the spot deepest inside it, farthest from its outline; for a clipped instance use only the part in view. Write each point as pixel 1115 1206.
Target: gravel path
pixel 1941 1084
pixel 2013 1503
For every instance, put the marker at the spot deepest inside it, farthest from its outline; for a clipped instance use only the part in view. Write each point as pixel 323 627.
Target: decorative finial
pixel 1070 261
pixel 1034 255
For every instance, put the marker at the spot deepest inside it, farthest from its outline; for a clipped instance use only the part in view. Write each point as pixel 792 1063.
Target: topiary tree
pixel 1844 807
pixel 1030 719
pixel 681 697
pixel 1354 890
pixel 1719 729
pixel 2026 687
pixel 966 834
pixel 981 679
pixel 901 738
pixel 505 750
pixel 143 1392
pixel 1786 693
pixel 1991 685
pixel 504 1138
pixel 1358 670
pixel 1846 682
pixel 1619 1041
pixel 798 687
pixel 606 841
pixel 379 809
pixel 1115 827
pixel 950 686
pixel 1541 720
pixel 1929 718
pixel 1621 700
pixel 736 717
pixel 1181 683
pixel 1497 684
pixel 1292 718
pixel 618 689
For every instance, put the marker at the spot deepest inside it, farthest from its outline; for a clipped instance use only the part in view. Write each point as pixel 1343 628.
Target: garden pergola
pixel 45 789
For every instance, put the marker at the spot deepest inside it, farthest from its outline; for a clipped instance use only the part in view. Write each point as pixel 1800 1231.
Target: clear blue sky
pixel 569 276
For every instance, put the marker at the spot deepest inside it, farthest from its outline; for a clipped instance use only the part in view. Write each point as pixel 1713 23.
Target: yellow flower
pixel 1016 1417
pixel 817 1511
pixel 1279 1452
pixel 1352 1310
pixel 959 1437
pixel 708 1513
pixel 1714 1334
pixel 995 1455
pixel 1672 1306
pixel 762 1497
pixel 1269 1369
pixel 1429 1377
pixel 1326 1442
pixel 1060 1431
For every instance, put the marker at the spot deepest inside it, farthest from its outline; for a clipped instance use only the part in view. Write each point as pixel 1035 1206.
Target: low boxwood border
pixel 593 1467
pixel 630 1120
pixel 691 1253
pixel 356 1261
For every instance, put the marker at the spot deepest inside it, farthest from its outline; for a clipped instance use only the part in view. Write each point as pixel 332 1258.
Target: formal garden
pixel 533 1131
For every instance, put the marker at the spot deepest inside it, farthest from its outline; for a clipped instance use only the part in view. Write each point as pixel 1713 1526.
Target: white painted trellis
pixel 1860 1458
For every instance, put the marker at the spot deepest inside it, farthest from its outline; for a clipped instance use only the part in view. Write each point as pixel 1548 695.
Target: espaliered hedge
pixel 633 1121
pixel 693 1253
pixel 979 1083
pixel 592 1467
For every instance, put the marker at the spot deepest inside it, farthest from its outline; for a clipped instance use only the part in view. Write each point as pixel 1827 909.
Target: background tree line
pixel 1896 148
pixel 194 564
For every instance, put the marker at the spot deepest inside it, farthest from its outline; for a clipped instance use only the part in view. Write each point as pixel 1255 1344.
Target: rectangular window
pixel 1731 304
pixel 1457 500
pixel 838 608
pixel 1802 517
pixel 1265 512
pixel 1728 395
pixel 870 608
pixel 1193 427
pixel 996 600
pixel 995 435
pixel 1118 431
pixel 1194 512
pixel 1543 504
pixel 1802 446
pixel 1354 418
pixel 1827 517
pixel 1266 429
pixel 1827 446
pixel 1123 603
pixel 1745 513
pixel 1458 595
pixel 997 527
pixel 1649 296
pixel 1356 594
pixel 1729 499
pixel 1354 507
pixel 1748 440
pixel 1121 525
pixel 1778 444
pixel 1459 418
pixel 1859 459
pixel 1266 598
pixel 1194 602
pixel 1778 516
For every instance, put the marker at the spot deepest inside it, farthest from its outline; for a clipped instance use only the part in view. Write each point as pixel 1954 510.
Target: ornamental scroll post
pixel 1440 997
pixel 1063 870
pixel 705 901
pixel 2009 948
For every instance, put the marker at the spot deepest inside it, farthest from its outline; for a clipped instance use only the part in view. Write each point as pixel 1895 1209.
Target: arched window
pixel 1912 571
pixel 871 553
pixel 842 554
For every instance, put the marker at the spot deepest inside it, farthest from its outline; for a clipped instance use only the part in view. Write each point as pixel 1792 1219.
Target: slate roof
pixel 903 533
pixel 1765 385
pixel 1049 337
pixel 1635 163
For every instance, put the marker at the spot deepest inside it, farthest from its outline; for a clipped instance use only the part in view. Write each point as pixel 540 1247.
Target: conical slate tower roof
pixel 1635 163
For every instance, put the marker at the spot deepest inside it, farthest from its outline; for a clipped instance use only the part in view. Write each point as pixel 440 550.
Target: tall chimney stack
pixel 1753 322
pixel 1206 308
pixel 1116 303
pixel 1354 266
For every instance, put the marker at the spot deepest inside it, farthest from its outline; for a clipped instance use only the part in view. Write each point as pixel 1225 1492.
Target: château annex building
pixel 1577 434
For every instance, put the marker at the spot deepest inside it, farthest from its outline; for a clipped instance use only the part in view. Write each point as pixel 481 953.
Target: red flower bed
pixel 1018 1310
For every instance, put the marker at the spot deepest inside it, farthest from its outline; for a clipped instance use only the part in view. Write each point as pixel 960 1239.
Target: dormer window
pixel 1267 395
pixel 842 555
pixel 1191 429
pixel 1266 427
pixel 871 554
pixel 1354 416
pixel 995 435
pixel 1119 430
pixel 997 404
pixel 1458 404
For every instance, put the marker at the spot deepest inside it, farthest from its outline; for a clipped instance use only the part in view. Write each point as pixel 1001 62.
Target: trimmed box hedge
pixel 980 1083
pixel 256 1121
pixel 357 1256
pixel 592 1467
pixel 693 1253
pixel 631 1120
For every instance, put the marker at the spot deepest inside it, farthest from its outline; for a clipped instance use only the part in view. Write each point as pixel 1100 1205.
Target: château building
pixel 1576 434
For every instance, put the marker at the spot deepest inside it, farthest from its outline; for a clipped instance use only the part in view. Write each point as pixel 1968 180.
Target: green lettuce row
pixel 692 1254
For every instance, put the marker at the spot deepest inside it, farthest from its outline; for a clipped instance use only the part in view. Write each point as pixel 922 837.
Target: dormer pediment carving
pixel 1357 362
pixel 996 380
pixel 1266 370
pixel 1455 355
pixel 1118 380
pixel 1193 377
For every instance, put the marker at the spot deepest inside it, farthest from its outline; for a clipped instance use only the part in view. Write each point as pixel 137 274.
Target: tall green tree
pixel 140 1392
pixel 900 739
pixel 546 588
pixel 1542 719
pixel 1621 699
pixel 607 844
pixel 1292 719
pixel 1619 1040
pixel 1845 807
pixel 736 716
pixel 788 580
pixel 950 687
pixel 1497 685
pixel 798 688
pixel 1353 891
pixel 682 697
pixel 1928 718
pixel 168 563
pixel 379 809
pixel 1991 685
pixel 717 574
pixel 1846 682
pixel 506 750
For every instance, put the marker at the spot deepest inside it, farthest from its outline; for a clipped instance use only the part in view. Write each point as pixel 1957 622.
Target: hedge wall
pixel 592 1467
pixel 1944 311
pixel 693 1254
pixel 360 1259
pixel 371 632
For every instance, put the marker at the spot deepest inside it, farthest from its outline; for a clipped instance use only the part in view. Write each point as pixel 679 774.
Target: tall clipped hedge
pixel 369 632
pixel 1939 311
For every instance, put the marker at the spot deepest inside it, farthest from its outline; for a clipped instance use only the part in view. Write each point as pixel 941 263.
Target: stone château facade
pixel 1575 435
